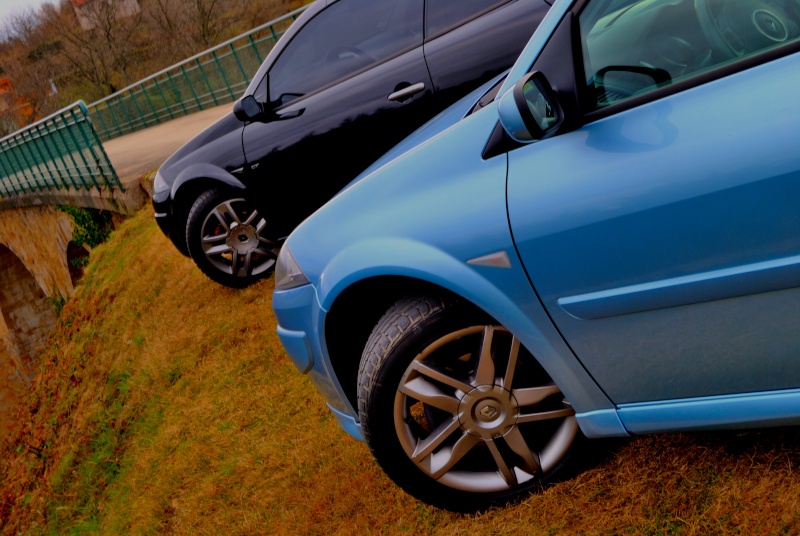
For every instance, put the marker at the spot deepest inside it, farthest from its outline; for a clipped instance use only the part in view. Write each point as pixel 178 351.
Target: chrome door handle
pixel 407 92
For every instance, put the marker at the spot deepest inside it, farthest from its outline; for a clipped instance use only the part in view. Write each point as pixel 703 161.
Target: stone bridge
pixel 36 248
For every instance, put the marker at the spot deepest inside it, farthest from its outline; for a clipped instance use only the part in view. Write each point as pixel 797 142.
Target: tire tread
pixel 409 326
pixel 198 205
pixel 404 316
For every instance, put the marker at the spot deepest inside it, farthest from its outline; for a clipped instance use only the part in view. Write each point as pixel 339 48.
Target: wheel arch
pixel 190 183
pixel 359 286
pixel 355 312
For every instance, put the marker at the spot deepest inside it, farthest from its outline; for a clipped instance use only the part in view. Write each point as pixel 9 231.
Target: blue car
pixel 604 243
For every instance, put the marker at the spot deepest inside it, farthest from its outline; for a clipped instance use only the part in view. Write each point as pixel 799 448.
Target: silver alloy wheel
pixel 475 412
pixel 232 242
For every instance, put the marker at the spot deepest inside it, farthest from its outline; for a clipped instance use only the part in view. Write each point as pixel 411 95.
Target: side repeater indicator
pixel 492 260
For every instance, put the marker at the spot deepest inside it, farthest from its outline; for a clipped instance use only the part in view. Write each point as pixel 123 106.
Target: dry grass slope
pixel 165 404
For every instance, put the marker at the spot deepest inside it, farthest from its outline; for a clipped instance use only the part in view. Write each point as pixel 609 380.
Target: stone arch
pixel 27 313
pixel 26 316
pixel 34 274
pixel 77 257
pixel 38 236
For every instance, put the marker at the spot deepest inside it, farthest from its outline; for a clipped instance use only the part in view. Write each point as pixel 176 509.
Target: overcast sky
pixel 7 7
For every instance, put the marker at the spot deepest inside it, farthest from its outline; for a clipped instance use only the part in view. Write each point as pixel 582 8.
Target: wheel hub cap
pixel 488 411
pixel 242 238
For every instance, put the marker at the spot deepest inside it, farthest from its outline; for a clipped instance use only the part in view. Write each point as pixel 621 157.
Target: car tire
pixel 439 418
pixel 223 236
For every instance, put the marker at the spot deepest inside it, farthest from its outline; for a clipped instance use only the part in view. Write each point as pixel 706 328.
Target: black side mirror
pixel 530 111
pixel 248 109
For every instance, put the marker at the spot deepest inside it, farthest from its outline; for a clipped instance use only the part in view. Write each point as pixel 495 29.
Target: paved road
pixel 134 155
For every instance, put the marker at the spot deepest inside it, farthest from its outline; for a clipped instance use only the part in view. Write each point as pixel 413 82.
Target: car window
pixel 443 14
pixel 344 38
pixel 632 47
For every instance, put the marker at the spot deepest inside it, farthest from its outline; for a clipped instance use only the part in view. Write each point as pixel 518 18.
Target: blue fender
pixel 412 259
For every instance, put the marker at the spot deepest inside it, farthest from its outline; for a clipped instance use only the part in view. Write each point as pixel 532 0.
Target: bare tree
pixel 207 22
pixel 52 56
pixel 169 23
pixel 28 55
pixel 21 25
pixel 104 53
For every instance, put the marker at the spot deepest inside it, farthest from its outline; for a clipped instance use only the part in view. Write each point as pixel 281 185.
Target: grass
pixel 165 404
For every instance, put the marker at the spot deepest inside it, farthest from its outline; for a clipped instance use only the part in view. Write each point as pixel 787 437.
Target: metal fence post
pixel 150 103
pixel 138 110
pixel 191 88
pixel 163 97
pixel 239 63
pixel 177 94
pixel 208 84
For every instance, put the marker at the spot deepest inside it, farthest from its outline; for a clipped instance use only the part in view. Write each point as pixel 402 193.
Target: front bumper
pixel 163 210
pixel 162 205
pixel 301 330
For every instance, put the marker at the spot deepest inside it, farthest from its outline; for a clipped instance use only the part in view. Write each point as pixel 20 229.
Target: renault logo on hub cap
pixel 488 412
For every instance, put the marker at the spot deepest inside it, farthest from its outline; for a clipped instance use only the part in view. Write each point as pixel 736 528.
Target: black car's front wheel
pixel 225 240
pixel 456 411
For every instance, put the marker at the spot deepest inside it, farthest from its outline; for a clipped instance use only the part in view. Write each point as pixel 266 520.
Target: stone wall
pixel 39 236
pixel 33 273
pixel 28 314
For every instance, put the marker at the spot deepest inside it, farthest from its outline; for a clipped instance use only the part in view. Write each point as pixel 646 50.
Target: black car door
pixel 352 83
pixel 469 41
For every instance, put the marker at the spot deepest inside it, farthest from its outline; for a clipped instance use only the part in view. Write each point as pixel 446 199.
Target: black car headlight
pixel 159 184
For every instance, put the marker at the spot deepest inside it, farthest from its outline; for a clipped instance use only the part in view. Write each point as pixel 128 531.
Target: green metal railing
pixel 217 76
pixel 64 150
pixel 60 151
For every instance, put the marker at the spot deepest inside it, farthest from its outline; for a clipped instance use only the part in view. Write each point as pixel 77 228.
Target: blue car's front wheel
pixel 456 411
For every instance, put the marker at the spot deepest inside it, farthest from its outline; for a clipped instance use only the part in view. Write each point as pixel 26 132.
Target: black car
pixel 348 80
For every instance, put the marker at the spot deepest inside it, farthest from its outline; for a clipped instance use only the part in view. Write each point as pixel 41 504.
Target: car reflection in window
pixel 639 47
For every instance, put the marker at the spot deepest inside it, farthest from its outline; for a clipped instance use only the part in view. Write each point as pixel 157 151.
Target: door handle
pixel 407 92
pixel 289 115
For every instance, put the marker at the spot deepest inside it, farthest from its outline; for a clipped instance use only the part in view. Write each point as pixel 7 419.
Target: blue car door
pixel 661 230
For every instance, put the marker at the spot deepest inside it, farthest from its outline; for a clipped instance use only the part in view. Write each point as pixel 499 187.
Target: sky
pixel 7 7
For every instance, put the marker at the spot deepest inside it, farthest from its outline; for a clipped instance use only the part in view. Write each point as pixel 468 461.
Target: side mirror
pixel 247 109
pixel 620 82
pixel 530 111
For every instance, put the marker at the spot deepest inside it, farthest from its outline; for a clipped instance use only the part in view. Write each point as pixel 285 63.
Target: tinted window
pixel 631 48
pixel 442 14
pixel 344 38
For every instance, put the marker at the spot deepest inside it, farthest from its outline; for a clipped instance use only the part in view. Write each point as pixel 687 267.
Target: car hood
pixel 226 126
pixel 419 200
pixel 441 122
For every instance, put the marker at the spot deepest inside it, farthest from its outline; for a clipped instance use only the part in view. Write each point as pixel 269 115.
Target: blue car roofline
pixel 536 43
